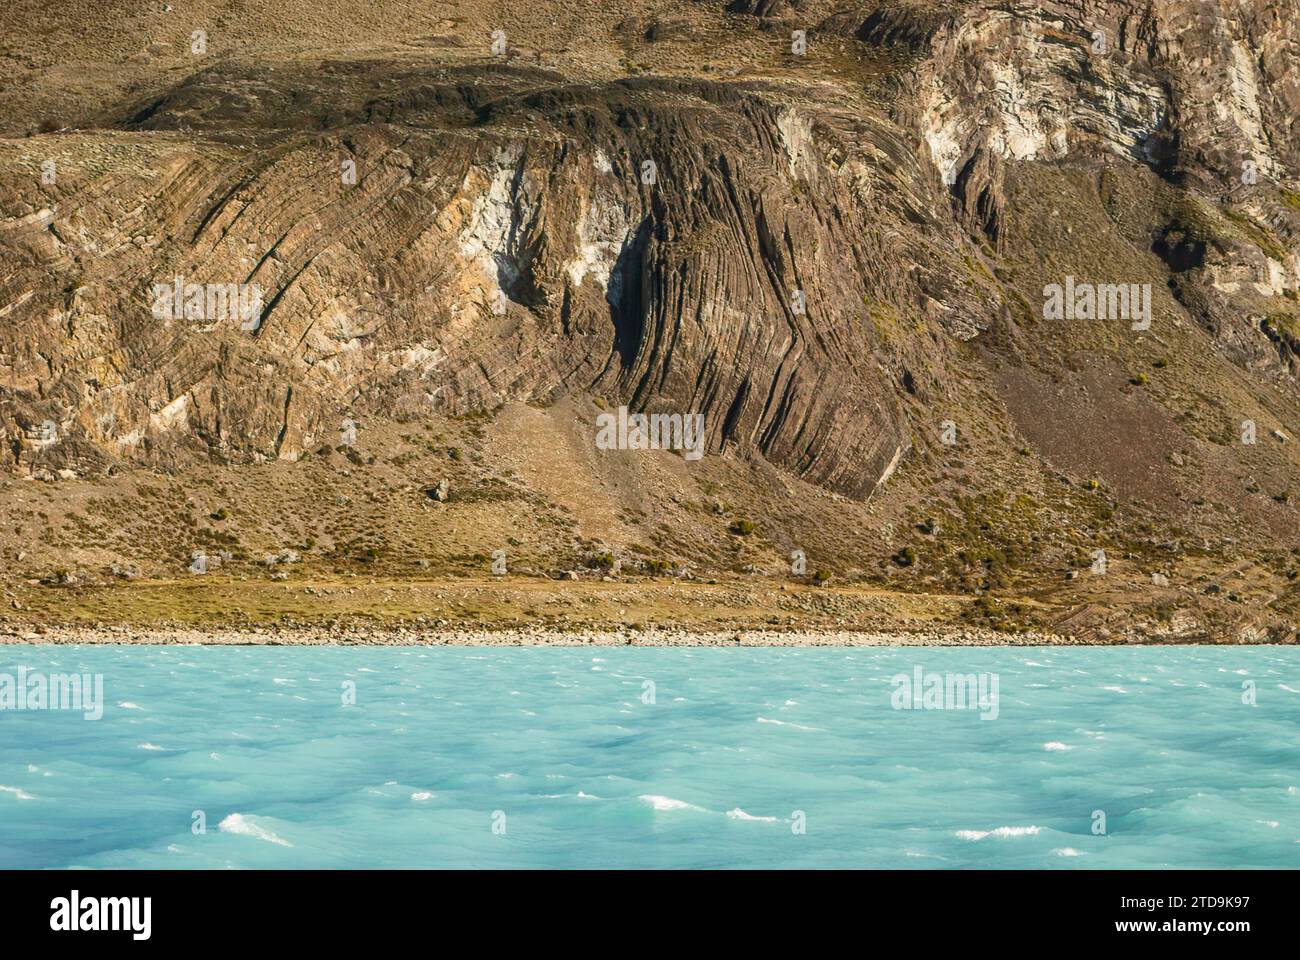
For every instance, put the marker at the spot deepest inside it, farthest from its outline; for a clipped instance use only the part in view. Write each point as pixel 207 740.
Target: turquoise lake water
pixel 772 757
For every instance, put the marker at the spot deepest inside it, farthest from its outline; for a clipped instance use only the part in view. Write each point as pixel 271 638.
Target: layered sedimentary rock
pixel 684 246
pixel 796 268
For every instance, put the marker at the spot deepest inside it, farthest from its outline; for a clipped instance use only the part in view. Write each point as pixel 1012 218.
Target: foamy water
pixel 485 757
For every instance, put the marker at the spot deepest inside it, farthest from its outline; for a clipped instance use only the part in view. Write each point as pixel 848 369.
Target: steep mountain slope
pixel 479 230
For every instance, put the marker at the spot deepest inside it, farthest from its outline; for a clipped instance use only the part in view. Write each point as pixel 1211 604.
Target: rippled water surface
pixel 485 757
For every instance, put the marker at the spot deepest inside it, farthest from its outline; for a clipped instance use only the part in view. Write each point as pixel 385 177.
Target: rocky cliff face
pixel 1206 95
pixel 837 255
pixel 501 229
pixel 585 238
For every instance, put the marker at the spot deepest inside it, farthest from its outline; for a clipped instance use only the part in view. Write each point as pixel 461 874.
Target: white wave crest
pixel 789 723
pixel 244 826
pixel 999 832
pixel 668 803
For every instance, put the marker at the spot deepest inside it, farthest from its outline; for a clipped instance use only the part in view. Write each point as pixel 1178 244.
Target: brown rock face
pixel 679 246
pixel 801 256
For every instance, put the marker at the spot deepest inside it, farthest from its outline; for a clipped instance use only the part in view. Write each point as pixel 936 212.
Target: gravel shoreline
pixel 380 637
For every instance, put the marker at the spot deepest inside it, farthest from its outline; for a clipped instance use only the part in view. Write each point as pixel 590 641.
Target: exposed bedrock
pixel 797 267
pixel 678 246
